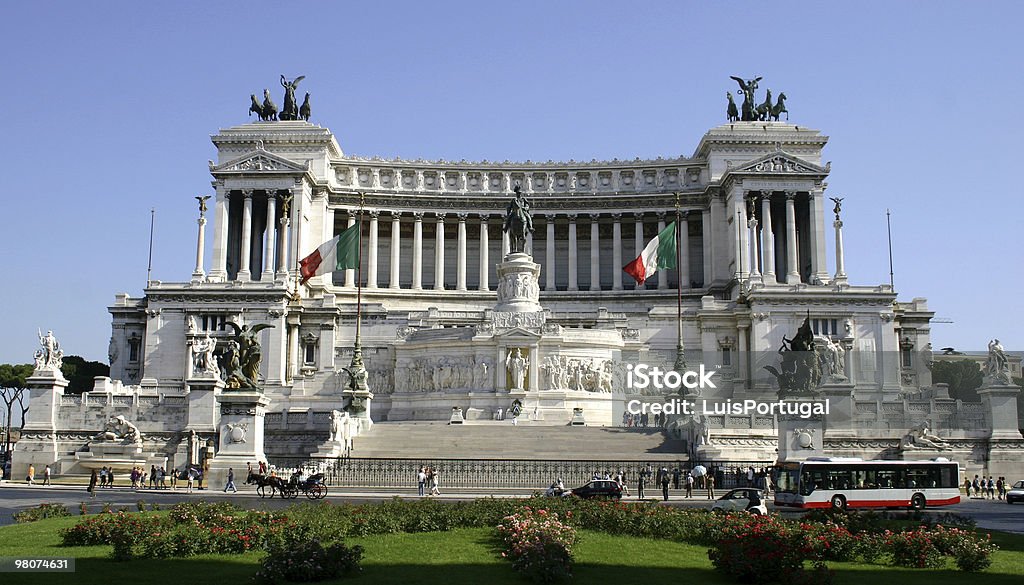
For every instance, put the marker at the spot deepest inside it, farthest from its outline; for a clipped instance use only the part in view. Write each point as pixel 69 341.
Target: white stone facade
pixel 752 206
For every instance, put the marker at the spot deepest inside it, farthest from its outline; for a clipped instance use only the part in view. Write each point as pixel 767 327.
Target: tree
pixel 963 376
pixel 81 373
pixel 14 389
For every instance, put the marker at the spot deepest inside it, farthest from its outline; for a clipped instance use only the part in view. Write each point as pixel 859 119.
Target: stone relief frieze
pixel 590 375
pixel 429 374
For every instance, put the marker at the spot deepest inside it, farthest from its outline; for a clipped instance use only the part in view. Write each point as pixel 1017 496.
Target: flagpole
pixel 680 365
pixel 359 274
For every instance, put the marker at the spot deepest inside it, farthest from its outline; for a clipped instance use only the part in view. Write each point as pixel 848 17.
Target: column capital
pixel 766 193
pixel 440 217
pixel 247 193
pixel 617 216
pixel 396 215
pixel 790 195
pixel 572 216
pixel 374 213
pixel 639 215
pixel 594 217
pixel 661 215
pixel 462 217
pixel 417 215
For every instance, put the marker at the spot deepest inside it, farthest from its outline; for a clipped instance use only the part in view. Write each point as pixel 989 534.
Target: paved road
pixel 989 514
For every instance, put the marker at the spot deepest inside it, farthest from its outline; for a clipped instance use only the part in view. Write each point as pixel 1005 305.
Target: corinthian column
pixel 573 285
pixel 439 254
pixel 638 239
pixel 755 272
pixel 485 268
pixel 396 237
pixel 793 271
pixel 371 252
pixel 282 247
pixel 460 281
pixel 268 241
pixel 662 274
pixel 684 250
pixel 220 238
pixel 595 252
pixel 767 238
pixel 549 261
pixel 244 273
pixel 199 273
pixel 350 273
pixel 417 250
pixel 617 251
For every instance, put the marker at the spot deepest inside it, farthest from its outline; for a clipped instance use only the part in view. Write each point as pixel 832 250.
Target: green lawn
pixel 461 556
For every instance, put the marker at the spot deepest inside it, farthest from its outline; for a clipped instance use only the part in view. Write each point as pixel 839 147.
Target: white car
pixel 1015 493
pixel 742 500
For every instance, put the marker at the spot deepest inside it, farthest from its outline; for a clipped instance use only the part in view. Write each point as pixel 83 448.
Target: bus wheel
pixel 838 502
pixel 917 502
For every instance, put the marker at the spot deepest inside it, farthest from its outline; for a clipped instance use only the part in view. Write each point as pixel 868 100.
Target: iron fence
pixel 497 474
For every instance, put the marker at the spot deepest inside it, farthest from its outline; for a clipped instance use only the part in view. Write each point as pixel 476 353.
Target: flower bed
pixel 539 544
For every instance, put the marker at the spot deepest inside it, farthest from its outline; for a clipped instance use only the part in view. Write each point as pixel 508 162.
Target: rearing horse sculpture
pixel 518 222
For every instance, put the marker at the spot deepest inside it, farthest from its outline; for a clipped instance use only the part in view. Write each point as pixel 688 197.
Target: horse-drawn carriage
pixel 267 486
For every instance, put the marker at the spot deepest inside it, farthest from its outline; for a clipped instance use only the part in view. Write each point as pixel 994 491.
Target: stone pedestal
pixel 800 438
pixel 38 443
pixel 518 288
pixel 577 418
pixel 202 391
pixel 241 435
pixel 839 420
pixel 456 417
pixel 1001 410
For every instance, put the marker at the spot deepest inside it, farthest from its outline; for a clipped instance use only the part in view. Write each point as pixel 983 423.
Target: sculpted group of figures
pixel 267 111
pixel 238 360
pixel 578 374
pixel 49 355
pixel 751 111
pixel 518 286
pixel 445 373
pixel 807 363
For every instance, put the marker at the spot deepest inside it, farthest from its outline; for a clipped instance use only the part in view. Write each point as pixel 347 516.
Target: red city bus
pixel 841 483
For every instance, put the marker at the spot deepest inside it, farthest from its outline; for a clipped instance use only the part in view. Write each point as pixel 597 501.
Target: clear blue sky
pixel 108 108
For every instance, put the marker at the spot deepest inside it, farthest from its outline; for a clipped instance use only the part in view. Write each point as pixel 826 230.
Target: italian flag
pixel 338 253
pixel 659 253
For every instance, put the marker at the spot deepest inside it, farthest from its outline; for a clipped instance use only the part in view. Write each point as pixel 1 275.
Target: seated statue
pixel 920 437
pixel 119 429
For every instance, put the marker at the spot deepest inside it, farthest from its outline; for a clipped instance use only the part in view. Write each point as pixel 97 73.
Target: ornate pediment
pixel 780 163
pixel 260 161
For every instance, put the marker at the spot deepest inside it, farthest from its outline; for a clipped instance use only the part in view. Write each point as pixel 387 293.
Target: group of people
pixel 427 482
pixel 157 477
pixel 989 489
pixel 31 477
pixel 754 478
pixel 677 479
pixel 643 420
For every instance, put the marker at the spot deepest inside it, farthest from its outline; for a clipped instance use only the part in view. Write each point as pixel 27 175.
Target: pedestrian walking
pixel 421 481
pixel 709 481
pixel 664 486
pixel 46 475
pixel 31 477
pixel 689 485
pixel 641 483
pixel 434 482
pixel 231 482
pixel 93 480
pixel 190 476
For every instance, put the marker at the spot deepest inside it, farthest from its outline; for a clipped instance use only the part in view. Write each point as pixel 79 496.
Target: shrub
pixel 759 549
pixel 539 544
pixel 42 511
pixel 307 561
pixel 914 549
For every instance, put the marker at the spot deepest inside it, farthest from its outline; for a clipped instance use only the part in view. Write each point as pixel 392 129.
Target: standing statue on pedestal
pixel 518 222
pixel 50 356
pixel 997 367
pixel 800 369
pixel 290 111
pixel 243 366
pixel 517 364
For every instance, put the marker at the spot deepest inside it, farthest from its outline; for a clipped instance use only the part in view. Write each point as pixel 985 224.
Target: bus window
pixel 887 478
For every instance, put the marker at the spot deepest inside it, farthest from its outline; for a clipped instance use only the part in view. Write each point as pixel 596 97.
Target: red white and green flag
pixel 338 253
pixel 659 253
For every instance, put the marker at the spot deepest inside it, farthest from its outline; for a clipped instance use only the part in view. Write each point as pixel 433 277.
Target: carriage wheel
pixel 316 492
